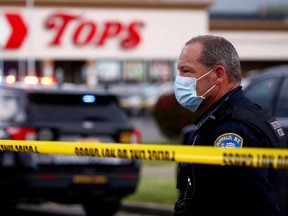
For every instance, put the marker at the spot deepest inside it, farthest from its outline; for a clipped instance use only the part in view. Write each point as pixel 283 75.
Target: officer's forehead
pixel 190 54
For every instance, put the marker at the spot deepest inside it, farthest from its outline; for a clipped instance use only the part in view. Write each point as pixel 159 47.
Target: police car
pixel 64 114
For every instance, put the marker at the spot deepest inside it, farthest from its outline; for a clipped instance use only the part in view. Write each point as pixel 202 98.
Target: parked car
pixel 138 98
pixel 57 114
pixel 268 89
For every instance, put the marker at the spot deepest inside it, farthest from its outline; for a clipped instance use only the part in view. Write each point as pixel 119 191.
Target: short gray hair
pixel 217 50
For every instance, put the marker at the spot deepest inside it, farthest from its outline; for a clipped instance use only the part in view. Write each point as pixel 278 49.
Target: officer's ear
pixel 221 75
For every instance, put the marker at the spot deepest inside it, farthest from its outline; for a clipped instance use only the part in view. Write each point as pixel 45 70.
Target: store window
pixel 134 71
pixel 160 71
pixel 108 70
pixel 20 68
pixel 70 71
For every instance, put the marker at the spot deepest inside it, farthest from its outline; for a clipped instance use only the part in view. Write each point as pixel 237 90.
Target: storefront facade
pixel 133 42
pixel 96 42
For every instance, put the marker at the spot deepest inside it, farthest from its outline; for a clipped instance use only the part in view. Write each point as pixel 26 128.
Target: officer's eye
pixel 186 72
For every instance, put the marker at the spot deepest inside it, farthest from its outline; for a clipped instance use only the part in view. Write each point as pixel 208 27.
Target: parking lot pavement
pixel 55 209
pixel 147 209
pixel 149 129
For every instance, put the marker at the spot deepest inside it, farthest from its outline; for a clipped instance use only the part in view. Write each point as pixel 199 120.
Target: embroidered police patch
pixel 229 140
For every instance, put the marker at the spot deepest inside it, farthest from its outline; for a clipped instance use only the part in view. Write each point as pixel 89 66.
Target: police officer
pixel 209 81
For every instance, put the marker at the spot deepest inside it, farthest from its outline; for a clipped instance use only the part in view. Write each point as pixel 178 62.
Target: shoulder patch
pixel 277 128
pixel 229 140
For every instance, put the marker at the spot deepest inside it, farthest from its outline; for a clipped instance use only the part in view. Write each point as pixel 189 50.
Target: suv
pixel 268 89
pixel 57 114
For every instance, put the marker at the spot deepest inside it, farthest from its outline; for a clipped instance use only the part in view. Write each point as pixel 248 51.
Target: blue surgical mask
pixel 186 94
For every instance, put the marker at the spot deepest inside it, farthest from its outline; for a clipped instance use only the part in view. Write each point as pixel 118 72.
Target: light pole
pixel 31 59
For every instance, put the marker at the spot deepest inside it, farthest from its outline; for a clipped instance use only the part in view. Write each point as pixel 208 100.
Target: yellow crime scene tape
pixel 249 157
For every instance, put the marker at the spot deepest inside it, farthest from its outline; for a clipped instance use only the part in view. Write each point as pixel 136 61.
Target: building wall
pixel 134 40
pixel 98 41
pixel 100 31
pixel 260 43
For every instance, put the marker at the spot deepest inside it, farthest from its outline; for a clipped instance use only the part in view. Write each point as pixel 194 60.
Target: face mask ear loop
pixel 208 91
pixel 205 74
pixel 211 87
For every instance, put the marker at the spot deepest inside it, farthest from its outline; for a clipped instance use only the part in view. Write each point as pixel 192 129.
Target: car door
pixel 271 94
pixel 264 92
pixel 281 108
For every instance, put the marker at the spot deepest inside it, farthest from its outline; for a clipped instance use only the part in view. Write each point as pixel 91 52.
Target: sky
pixel 243 5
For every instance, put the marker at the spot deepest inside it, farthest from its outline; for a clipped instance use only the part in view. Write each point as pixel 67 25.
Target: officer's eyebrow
pixel 181 67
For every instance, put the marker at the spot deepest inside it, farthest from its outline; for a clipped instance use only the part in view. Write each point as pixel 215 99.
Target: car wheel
pixel 101 207
pixel 45 134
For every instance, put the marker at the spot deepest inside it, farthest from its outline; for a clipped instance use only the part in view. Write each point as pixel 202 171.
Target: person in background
pixel 209 81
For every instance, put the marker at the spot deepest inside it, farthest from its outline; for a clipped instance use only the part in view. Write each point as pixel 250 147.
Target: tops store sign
pixel 84 33
pixel 13 31
pixel 98 33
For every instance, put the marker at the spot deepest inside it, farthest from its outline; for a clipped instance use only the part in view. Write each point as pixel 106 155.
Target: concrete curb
pixel 147 208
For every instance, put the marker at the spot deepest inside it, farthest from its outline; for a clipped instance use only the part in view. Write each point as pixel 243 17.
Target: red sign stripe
pixel 19 31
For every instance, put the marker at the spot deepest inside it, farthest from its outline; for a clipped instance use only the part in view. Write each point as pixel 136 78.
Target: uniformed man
pixel 209 80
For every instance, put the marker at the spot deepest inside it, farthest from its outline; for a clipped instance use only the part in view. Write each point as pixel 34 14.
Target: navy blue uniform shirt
pixel 228 190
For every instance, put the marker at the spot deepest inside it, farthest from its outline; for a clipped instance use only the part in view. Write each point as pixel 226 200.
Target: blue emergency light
pixel 89 98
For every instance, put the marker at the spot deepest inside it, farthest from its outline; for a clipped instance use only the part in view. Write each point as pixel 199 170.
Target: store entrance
pixel 70 71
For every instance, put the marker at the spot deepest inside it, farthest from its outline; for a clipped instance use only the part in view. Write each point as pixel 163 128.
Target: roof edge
pixel 196 4
pixel 245 25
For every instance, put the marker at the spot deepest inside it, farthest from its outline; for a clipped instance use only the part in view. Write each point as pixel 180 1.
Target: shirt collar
pixel 211 112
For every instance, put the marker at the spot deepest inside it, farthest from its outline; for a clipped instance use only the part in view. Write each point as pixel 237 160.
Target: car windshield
pixel 263 92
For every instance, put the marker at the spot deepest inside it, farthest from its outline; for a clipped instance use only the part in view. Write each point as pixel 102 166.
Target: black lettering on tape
pixel 26 148
pixel 108 152
pixel 265 161
pixel 20 148
pixel 87 152
pixel 138 154
pixel 7 148
pixel 268 161
pixel 161 155
pixel 237 159
pixel 282 161
pixel 122 153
